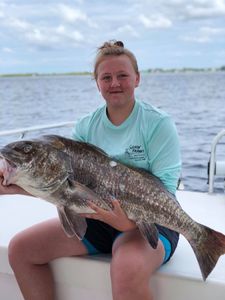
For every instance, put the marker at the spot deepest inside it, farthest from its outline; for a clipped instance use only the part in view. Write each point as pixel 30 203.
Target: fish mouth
pixel 7 170
pixel 7 160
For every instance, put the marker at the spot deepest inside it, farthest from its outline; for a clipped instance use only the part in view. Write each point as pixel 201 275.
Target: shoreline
pixel 45 74
pixel 149 71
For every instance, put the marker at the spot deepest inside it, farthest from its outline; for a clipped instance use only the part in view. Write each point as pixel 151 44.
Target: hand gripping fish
pixel 68 174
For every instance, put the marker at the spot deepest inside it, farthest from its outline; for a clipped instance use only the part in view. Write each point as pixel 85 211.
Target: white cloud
pixel 7 50
pixel 39 37
pixel 70 14
pixel 205 8
pixel 157 21
pixel 187 53
pixel 12 62
pixel 212 31
pixel 127 30
pixel 205 35
pixel 53 37
pixel 68 33
pixel 197 39
pixel 184 9
pixel 43 34
pixel 221 53
pixel 74 15
pixel 17 24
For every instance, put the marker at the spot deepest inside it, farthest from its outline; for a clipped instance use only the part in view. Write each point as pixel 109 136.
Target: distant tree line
pixel 44 74
pixel 153 70
pixel 174 70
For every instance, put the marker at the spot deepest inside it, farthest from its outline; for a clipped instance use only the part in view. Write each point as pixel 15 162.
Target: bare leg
pixel 133 263
pixel 31 250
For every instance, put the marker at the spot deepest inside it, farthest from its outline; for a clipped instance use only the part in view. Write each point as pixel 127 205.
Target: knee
pixel 128 271
pixel 17 250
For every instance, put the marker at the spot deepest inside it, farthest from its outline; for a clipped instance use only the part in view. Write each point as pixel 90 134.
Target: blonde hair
pixel 113 48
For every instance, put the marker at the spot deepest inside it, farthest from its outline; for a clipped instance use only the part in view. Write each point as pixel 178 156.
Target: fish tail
pixel 208 249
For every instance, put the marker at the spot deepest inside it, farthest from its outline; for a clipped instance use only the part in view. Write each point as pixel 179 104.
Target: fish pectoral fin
pixel 149 232
pixel 81 192
pixel 72 223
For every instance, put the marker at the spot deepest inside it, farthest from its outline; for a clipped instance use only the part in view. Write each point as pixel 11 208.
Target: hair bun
pixel 119 44
pixel 112 44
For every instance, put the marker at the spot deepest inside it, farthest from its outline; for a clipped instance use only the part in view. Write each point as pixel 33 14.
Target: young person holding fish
pixel 134 133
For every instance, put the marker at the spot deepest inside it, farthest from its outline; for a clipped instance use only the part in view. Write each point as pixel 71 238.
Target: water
pixel 196 101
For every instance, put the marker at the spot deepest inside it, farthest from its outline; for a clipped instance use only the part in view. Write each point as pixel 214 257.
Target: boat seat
pixel 85 278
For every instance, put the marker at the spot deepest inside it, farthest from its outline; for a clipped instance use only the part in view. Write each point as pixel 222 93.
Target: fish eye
pixel 27 148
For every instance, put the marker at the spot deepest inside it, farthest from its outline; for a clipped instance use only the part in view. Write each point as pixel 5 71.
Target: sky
pixel 63 36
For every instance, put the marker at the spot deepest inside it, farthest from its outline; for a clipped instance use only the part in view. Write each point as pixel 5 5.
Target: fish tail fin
pixel 208 249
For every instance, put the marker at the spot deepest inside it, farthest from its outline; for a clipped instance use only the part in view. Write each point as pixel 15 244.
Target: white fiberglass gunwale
pixel 88 277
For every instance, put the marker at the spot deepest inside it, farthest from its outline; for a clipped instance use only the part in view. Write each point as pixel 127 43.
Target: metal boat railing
pixel 24 131
pixel 216 167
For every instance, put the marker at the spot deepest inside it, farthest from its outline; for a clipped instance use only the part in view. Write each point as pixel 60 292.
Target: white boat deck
pixel 88 277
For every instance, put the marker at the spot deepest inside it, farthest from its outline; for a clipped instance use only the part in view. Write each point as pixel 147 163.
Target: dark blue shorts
pixel 100 237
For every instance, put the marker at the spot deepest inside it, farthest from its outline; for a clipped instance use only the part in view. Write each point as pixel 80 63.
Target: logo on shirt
pixel 135 152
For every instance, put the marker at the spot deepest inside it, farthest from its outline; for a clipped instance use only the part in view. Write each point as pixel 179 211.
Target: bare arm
pixel 115 218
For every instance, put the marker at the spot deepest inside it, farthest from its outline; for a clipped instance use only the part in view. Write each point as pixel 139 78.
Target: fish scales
pixel 149 196
pixel 69 173
pixel 101 166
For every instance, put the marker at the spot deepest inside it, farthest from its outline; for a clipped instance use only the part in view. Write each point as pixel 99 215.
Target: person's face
pixel 117 80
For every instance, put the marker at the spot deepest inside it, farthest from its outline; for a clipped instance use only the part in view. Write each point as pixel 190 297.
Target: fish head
pixel 34 165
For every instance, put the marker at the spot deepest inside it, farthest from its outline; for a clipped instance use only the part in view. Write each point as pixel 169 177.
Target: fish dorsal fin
pixel 92 147
pixel 60 142
pixel 54 140
pixel 149 232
